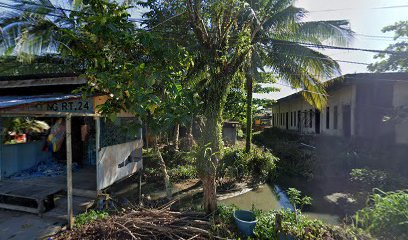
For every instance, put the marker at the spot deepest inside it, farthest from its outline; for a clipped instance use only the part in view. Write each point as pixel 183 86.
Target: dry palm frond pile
pixel 144 224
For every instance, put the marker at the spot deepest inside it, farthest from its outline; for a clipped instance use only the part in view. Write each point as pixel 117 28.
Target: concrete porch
pixel 47 195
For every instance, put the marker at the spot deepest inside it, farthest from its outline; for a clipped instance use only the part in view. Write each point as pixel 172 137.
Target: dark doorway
pixel 299 121
pixel 287 120
pixel 347 120
pixel 317 121
pixel 78 146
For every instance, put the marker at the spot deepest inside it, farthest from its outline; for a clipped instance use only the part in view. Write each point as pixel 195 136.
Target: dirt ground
pixel 18 225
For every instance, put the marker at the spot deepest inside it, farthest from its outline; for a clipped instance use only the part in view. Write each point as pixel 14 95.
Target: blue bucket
pixel 246 221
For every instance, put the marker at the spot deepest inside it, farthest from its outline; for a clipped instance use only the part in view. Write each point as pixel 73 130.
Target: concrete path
pixel 17 225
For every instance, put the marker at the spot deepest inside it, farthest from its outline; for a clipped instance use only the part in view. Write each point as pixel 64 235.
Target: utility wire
pixel 358 9
pixel 275 42
pixel 323 46
pixel 326 58
pixel 377 36
pixel 166 20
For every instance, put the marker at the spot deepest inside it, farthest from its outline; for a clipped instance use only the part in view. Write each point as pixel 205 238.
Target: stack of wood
pixel 144 224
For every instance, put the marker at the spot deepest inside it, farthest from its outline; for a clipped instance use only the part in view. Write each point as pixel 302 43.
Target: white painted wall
pixel 401 99
pixel 339 98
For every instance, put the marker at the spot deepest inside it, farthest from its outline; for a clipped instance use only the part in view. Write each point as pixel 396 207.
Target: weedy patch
pixel 90 216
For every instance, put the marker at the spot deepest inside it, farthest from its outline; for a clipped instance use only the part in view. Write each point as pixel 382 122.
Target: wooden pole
pixel 1 145
pixel 70 214
pixel 98 147
pixel 140 187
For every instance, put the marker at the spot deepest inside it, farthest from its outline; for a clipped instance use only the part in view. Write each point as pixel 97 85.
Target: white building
pixel 359 105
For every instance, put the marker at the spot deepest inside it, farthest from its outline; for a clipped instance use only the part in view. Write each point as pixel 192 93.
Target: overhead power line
pixel 359 9
pixel 323 46
pixel 374 36
pixel 166 20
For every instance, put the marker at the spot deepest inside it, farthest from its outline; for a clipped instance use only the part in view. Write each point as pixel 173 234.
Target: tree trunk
pixel 163 168
pixel 210 158
pixel 176 137
pixel 249 89
pixel 212 140
pixel 190 137
pixel 146 136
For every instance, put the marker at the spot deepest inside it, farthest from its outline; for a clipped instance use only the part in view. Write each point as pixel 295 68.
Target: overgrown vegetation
pixel 236 165
pixel 297 200
pixel 180 165
pixel 282 224
pixel 386 215
pixel 325 156
pixel 297 160
pixel 367 179
pixel 259 164
pixel 89 217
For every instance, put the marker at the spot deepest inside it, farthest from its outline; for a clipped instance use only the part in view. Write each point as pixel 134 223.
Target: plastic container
pixel 246 221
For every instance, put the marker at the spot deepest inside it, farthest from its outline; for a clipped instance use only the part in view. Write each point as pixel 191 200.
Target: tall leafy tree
pixel 223 35
pixel 397 59
pixel 139 70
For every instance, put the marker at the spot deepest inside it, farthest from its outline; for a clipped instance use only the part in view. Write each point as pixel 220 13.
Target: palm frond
pixel 33 29
pixel 284 20
pixel 336 32
pixel 314 62
pixel 301 67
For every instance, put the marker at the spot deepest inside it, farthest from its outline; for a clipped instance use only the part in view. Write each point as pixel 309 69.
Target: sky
pixel 364 19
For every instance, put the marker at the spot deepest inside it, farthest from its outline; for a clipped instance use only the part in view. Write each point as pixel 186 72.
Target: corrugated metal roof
pixel 17 101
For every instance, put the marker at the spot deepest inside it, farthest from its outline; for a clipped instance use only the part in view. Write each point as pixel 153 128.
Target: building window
pixel 280 119
pixel 335 117
pixel 276 119
pixel 291 119
pixel 273 120
pixel 305 119
pixel 328 117
pixel 294 118
pixel 283 119
pixel 311 118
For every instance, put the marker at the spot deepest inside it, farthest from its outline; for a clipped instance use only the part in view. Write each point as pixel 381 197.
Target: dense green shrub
pixel 370 178
pixel 180 165
pixel 386 216
pixel 176 158
pixel 262 164
pixel 234 164
pixel 296 160
pixel 298 226
pixel 182 172
pixel 259 164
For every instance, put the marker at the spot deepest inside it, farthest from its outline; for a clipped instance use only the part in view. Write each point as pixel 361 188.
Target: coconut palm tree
pixel 278 50
pixel 224 35
pixel 30 28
